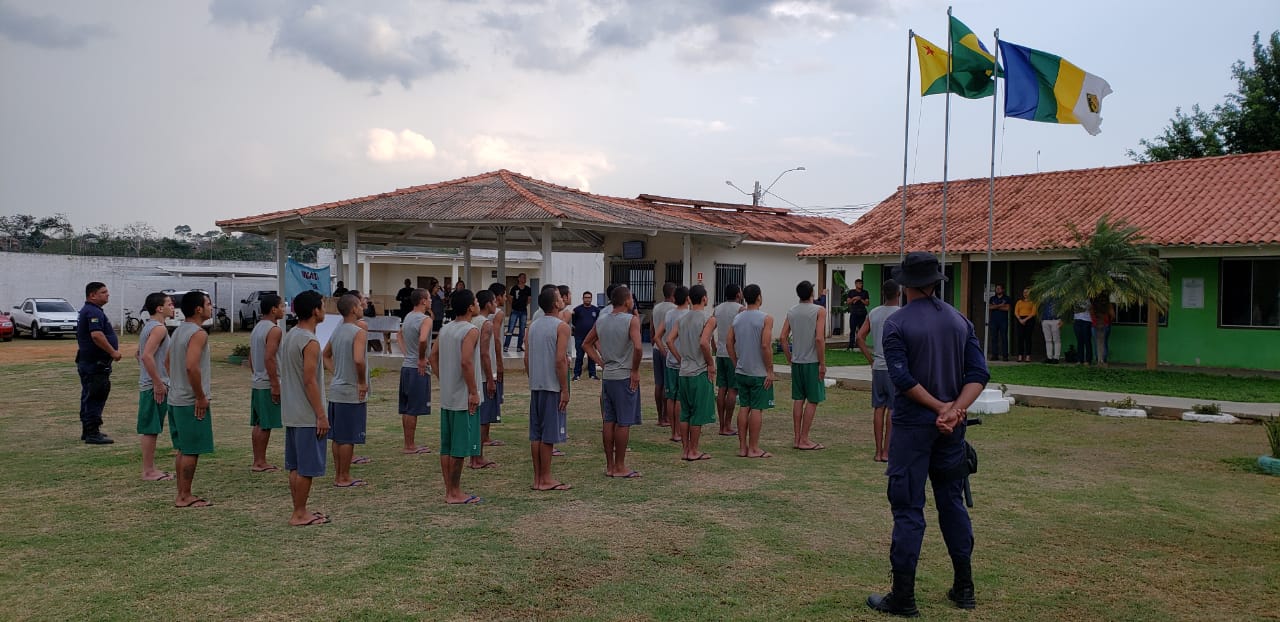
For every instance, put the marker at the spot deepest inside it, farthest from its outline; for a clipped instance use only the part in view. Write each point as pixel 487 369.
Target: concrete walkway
pixel 1157 406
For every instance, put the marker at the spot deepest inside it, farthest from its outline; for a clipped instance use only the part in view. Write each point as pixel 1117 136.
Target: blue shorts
pixel 619 404
pixel 547 423
pixel 659 368
pixel 491 407
pixel 347 422
pixel 883 391
pixel 415 392
pixel 304 452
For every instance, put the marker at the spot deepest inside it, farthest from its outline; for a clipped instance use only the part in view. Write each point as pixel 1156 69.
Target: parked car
pixel 45 317
pixel 251 308
pixel 178 318
pixel 6 327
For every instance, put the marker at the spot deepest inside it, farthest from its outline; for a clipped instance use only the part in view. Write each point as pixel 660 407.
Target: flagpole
pixel 906 149
pixel 991 194
pixel 946 146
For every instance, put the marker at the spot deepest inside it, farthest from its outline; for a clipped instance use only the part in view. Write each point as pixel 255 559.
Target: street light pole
pixel 757 194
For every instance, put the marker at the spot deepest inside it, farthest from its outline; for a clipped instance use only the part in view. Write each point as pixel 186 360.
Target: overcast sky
pixel 188 112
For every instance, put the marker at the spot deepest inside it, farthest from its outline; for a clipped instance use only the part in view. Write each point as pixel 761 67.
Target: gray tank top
pixel 804 321
pixel 295 409
pixel 541 346
pixel 747 329
pixel 411 327
pixel 453 387
pixel 877 317
pixel 614 332
pixel 673 316
pixel 180 391
pixel 659 317
pixel 486 349
pixel 344 388
pixel 258 354
pixel 689 342
pixel 724 313
pixel 145 382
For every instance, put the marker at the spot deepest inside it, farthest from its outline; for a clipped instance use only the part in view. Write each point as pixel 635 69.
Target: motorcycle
pixel 131 324
pixel 222 320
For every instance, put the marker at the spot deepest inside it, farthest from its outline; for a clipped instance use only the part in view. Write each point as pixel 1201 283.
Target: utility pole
pixel 755 196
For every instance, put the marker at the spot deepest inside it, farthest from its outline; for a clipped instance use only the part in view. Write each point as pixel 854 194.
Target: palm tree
pixel 1114 262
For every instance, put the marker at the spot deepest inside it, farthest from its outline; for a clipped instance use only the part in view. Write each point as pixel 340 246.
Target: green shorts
pixel 150 414
pixel 191 436
pixel 697 400
pixel 263 412
pixel 752 393
pixel 671 384
pixel 806 385
pixel 459 433
pixel 724 373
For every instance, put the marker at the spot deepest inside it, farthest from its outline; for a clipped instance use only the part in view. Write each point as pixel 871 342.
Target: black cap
pixel 918 269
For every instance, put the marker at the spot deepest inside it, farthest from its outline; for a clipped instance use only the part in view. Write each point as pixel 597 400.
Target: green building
pixel 1216 221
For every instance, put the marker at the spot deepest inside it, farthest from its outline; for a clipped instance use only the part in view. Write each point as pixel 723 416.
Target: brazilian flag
pixel 972 66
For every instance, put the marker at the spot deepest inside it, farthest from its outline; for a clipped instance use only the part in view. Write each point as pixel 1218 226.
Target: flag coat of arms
pixel 1044 87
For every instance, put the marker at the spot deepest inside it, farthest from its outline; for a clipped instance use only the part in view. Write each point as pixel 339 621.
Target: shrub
pixel 1127 403
pixel 1207 409
pixel 241 349
pixel 1273 434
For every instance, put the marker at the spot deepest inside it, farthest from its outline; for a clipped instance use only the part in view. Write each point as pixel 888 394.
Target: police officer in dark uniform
pixel 98 348
pixel 936 362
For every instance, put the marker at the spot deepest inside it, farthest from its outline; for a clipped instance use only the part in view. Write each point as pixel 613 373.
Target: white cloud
pixel 820 146
pixel 563 165
pixel 388 146
pixel 696 127
pixel 47 31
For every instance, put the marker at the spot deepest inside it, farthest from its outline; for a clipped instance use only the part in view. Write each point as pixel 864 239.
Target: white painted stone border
pixel 1223 418
pixel 1108 411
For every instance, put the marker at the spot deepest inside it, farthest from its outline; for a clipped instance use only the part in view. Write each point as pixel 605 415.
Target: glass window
pixel 55 306
pixel 1137 314
pixel 1250 293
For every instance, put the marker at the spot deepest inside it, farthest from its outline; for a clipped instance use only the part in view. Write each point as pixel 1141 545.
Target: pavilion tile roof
pixel 758 224
pixel 1222 201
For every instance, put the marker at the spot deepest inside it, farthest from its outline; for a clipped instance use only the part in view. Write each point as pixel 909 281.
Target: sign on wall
pixel 1193 293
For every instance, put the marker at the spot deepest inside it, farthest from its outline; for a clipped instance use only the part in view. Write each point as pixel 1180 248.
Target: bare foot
pixel 761 454
pixel 467 500
pixel 157 476
pixel 420 449
pixel 487 464
pixel 555 486
pixel 264 468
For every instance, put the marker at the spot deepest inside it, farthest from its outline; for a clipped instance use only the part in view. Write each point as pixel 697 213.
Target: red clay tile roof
pixel 758 224
pixel 1223 201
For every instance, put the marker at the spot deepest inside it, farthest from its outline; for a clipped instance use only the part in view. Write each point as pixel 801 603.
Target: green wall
pixel 1193 337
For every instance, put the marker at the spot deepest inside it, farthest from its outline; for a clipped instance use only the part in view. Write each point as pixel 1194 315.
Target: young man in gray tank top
pixel 690 344
pixel 496 319
pixel 415 383
pixel 264 394
pixel 749 342
pixel 153 381
pixel 671 369
pixel 344 356
pixel 614 345
pixel 489 412
pixel 455 360
pixel 546 357
pixel 302 407
pixel 882 390
pixel 657 323
pixel 726 392
pixel 190 418
pixel 805 331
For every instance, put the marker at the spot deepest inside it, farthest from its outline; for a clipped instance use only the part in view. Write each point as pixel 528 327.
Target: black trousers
pixel 95 387
pixel 1026 332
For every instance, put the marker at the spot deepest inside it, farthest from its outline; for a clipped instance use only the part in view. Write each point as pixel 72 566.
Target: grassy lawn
pixel 835 358
pixel 1077 517
pixel 1207 387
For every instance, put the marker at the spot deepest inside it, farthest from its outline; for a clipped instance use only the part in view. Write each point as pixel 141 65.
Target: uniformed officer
pixel 97 349
pixel 936 363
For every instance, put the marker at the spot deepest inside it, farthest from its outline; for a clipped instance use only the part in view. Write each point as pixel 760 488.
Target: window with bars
pixel 675 273
pixel 638 277
pixel 727 274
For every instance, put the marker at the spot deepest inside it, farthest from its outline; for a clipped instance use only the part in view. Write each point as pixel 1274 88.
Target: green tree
pixel 1113 262
pixel 1247 122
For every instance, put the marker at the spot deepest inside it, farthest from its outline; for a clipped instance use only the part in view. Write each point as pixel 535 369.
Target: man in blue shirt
pixel 936 363
pixel 584 319
pixel 97 349
pixel 998 320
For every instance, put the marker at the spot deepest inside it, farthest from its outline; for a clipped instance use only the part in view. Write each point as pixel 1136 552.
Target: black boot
pixel 961 592
pixel 901 600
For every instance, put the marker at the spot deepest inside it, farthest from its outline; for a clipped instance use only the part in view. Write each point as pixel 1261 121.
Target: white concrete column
pixel 546 253
pixel 686 249
pixel 337 260
pixel 282 253
pixel 353 258
pixel 364 283
pixel 502 256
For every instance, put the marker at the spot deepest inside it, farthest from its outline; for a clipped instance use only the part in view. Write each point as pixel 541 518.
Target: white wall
pixel 129 279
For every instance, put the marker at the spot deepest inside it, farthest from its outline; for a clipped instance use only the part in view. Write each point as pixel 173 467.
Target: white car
pixel 178 318
pixel 251 308
pixel 45 317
